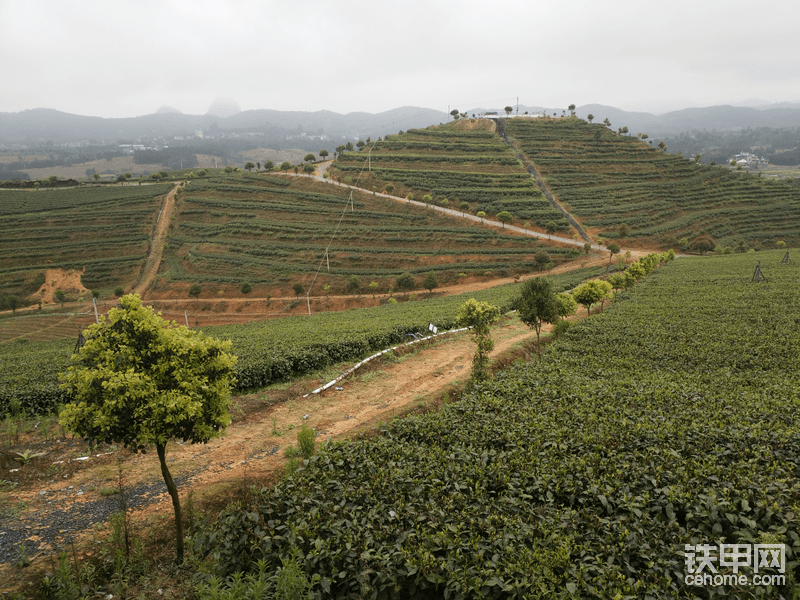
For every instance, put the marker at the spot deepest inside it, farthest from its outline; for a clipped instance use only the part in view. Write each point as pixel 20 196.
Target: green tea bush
pixel 670 419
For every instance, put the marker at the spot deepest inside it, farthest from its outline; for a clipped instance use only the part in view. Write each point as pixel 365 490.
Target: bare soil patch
pixel 67 280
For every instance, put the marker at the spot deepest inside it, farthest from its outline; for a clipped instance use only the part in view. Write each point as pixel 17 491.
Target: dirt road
pixel 65 498
pixel 157 244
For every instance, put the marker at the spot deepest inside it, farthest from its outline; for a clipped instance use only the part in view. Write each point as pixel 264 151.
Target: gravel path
pixel 49 527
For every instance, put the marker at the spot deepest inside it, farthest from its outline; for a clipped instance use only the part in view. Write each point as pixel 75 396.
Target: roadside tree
pixel 480 316
pixel 430 281
pixel 566 305
pixel 405 282
pixel 703 244
pixel 591 292
pixel 613 249
pixel 505 217
pixel 141 381
pixel 353 285
pixel 536 306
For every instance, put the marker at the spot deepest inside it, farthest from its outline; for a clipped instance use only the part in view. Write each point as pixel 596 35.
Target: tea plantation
pixel 606 179
pixel 270 351
pixel 104 229
pixel 273 229
pixel 669 419
pixel 463 161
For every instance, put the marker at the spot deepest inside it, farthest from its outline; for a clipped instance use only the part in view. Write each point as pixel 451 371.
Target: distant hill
pixel 721 118
pixel 42 124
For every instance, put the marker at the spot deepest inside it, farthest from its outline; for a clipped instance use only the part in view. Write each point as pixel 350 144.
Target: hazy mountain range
pixel 52 125
pixel 39 125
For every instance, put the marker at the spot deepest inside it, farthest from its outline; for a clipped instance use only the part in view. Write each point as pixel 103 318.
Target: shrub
pixel 560 327
pixel 405 282
pixel 305 441
pixel 353 284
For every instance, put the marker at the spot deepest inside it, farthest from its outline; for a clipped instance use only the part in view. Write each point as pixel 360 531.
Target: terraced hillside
pixel 465 161
pixel 606 179
pixel 273 230
pixel 104 229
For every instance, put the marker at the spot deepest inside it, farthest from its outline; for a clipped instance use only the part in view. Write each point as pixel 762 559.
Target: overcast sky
pixel 124 58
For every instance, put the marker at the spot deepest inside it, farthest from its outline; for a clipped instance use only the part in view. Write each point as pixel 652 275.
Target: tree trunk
pixel 176 503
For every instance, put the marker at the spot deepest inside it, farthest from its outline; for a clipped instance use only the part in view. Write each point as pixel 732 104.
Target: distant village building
pixel 131 148
pixel 750 161
pixel 495 115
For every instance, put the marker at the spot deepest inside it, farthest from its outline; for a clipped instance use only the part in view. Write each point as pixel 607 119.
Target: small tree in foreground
pixel 140 381
pixel 536 306
pixel 479 316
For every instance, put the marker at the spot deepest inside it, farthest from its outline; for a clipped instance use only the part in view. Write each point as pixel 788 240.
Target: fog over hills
pixel 47 124
pixel 224 115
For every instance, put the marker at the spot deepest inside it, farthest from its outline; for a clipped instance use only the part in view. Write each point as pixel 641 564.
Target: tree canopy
pixel 505 217
pixel 591 292
pixel 140 381
pixel 536 306
pixel 430 281
pixel 405 282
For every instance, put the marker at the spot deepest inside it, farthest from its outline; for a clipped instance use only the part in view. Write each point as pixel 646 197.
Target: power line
pixel 351 203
